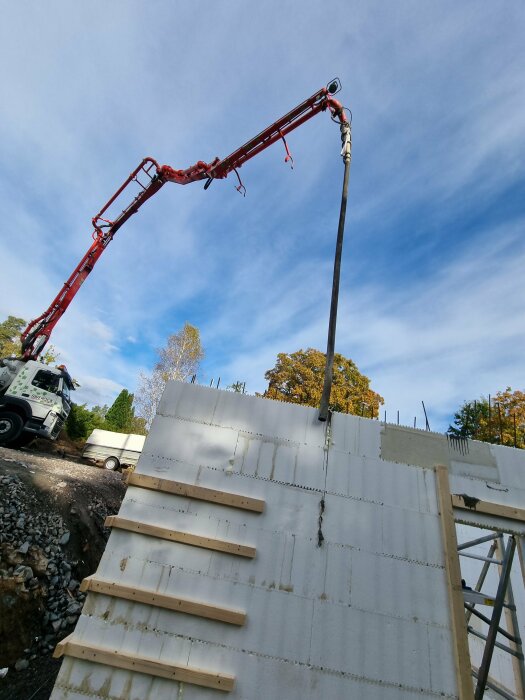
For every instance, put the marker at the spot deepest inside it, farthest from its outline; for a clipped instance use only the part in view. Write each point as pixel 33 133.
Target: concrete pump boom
pixel 38 332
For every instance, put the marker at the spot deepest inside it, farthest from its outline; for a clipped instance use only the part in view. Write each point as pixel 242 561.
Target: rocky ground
pixel 52 535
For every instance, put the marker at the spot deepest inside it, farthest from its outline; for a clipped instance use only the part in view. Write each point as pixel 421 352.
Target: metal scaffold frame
pixel 501 554
pixel 503 601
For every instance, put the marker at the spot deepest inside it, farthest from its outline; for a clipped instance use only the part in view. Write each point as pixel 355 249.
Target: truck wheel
pixel 11 425
pixel 111 463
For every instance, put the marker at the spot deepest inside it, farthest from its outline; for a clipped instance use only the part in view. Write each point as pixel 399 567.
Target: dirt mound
pixel 63 446
pixel 52 535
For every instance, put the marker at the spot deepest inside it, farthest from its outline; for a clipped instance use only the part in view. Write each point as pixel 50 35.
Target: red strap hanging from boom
pixel 38 332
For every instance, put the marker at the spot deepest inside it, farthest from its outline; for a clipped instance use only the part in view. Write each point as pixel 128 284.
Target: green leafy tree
pixel 179 359
pixel 469 418
pixel 119 417
pixel 82 421
pixel 100 411
pixel 298 378
pixel 10 331
pixel 502 422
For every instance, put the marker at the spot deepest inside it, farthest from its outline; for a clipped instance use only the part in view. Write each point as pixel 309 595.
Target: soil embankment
pixel 52 535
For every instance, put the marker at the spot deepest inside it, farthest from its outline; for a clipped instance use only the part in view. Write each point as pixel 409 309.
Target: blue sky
pixel 432 291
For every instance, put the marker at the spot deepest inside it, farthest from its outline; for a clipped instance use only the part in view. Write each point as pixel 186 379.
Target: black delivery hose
pixel 346 138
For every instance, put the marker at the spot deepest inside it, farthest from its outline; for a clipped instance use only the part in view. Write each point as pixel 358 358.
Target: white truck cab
pixel 34 400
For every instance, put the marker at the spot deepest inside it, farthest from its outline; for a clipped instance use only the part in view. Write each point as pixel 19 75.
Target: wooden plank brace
pixel 160 600
pixel 200 493
pixel 179 536
pixel 143 664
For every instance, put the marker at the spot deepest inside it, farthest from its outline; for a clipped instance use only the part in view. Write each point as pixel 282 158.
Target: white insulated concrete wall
pixel 364 615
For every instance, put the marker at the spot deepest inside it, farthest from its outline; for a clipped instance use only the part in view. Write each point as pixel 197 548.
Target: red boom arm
pixel 38 332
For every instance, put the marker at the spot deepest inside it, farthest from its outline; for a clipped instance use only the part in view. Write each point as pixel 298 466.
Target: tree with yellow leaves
pixel 298 378
pixel 10 331
pixel 500 421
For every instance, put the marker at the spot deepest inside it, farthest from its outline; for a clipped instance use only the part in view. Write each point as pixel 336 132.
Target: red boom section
pixel 38 332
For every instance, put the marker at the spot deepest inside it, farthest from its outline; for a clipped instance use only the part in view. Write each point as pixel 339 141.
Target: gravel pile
pixel 52 535
pixel 35 567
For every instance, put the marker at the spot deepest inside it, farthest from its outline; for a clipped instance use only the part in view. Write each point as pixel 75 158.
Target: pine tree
pixel 119 417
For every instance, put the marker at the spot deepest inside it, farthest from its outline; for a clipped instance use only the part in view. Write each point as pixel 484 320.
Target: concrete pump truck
pixel 34 398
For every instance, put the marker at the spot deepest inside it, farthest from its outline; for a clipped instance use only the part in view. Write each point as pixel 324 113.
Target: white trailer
pixel 114 449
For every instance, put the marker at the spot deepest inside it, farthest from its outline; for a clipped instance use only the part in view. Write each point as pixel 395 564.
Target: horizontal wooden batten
pixel 142 664
pixel 182 537
pixel 161 600
pixel 475 505
pixel 200 493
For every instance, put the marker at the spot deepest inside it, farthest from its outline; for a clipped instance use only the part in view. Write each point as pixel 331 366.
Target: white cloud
pixel 449 338
pixel 95 391
pixel 438 99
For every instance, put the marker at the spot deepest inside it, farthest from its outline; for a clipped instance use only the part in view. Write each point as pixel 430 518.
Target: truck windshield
pixel 65 391
pixel 47 381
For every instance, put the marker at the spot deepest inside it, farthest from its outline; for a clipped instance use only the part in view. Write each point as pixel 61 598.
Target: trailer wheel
pixel 11 425
pixel 111 463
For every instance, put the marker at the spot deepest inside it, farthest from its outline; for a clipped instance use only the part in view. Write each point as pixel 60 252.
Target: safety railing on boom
pixel 38 332
pixel 154 184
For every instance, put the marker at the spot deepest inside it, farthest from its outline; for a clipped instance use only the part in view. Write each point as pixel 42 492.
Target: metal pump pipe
pixel 346 138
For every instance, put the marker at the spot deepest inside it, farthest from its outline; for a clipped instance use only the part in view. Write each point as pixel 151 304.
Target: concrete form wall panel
pixel 356 436
pixel 284 675
pixel 79 680
pixel 232 452
pixel 428 498
pixel 398 643
pixel 266 677
pixel 339 574
pixel 188 522
pixel 411 535
pixel 289 463
pixel 360 616
pixel 262 677
pixel 468 461
pixel 282 627
pixel 195 443
pixel 376 580
pixel 483 471
pixel 511 466
pixel 353 523
pixel 285 421
pixel 381 482
pixel 442 675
